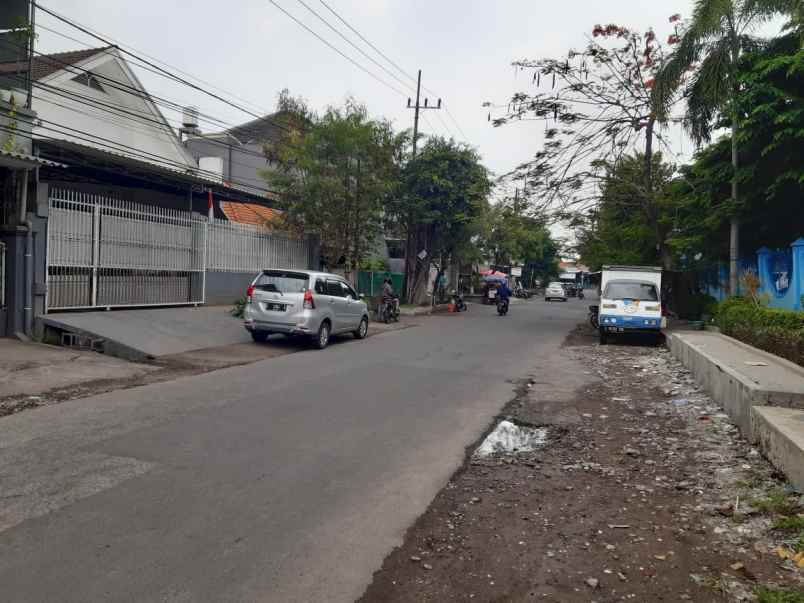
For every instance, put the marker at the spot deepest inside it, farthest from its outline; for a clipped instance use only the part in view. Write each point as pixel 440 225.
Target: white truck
pixel 630 301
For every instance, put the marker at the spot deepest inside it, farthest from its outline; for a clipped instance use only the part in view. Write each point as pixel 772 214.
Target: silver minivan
pixel 303 302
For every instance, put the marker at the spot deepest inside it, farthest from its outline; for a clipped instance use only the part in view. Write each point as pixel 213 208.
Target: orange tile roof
pixel 251 213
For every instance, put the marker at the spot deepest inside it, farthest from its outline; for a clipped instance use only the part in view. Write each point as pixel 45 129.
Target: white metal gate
pixel 105 252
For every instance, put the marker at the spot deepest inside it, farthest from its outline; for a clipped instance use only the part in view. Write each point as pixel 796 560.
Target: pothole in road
pixel 510 438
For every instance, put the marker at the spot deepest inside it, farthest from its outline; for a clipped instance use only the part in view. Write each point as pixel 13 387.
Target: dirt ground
pixel 644 491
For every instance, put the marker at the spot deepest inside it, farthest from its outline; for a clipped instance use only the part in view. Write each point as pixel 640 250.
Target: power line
pixel 359 35
pixel 124 87
pixel 151 64
pixel 120 150
pixel 345 56
pixel 392 63
pixel 455 121
pixel 167 103
pixel 353 45
pixel 157 60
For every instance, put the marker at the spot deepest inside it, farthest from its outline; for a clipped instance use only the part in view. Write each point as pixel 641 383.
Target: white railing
pixel 105 252
pixel 240 248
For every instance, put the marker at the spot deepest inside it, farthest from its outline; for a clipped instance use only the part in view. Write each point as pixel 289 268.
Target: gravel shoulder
pixel 644 491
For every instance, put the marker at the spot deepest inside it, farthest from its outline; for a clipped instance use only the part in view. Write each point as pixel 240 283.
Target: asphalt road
pixel 285 480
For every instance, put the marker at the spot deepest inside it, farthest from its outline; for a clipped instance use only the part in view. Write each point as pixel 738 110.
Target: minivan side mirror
pixel 361 295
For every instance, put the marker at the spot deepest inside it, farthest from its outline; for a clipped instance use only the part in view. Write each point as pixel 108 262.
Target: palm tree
pixel 705 63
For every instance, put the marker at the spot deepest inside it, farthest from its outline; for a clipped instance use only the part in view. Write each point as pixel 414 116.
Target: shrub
pixel 778 331
pixel 239 308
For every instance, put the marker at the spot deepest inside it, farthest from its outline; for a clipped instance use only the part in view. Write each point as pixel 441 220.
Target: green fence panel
pixel 370 283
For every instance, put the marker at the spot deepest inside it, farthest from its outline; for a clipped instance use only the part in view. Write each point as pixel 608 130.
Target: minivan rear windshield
pixel 280 281
pixel 626 290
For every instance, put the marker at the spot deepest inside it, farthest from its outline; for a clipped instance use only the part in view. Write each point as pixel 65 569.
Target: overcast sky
pixel 464 48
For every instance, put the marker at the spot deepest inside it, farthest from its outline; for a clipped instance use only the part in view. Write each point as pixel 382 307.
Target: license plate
pixel 275 307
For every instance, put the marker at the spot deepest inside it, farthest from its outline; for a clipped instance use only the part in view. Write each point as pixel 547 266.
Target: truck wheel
pixel 604 338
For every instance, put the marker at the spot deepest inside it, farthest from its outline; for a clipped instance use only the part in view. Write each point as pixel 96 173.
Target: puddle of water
pixel 509 438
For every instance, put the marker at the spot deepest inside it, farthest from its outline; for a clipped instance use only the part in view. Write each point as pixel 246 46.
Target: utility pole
pixel 411 252
pixel 417 107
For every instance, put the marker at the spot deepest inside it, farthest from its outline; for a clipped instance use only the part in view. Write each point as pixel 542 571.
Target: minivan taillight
pixel 309 304
pixel 249 293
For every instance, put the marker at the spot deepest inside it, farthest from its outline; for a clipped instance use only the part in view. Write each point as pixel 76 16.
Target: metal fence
pixel 242 248
pixel 107 252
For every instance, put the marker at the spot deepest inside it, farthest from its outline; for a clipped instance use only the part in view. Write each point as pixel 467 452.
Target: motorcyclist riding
pixel 503 293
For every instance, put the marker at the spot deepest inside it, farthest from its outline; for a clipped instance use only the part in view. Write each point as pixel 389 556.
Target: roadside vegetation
pixel 612 113
pixel 352 180
pixel 778 331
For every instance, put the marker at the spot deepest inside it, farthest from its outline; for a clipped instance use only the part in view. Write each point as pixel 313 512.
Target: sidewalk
pixel 30 369
pixel 155 332
pixel 762 393
pixel 172 342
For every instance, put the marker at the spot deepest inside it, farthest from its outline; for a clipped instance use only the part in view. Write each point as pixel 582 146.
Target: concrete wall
pixel 736 393
pixel 781 274
pixel 223 288
pixel 780 435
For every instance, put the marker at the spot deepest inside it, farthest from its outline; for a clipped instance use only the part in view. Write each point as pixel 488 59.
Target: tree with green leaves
pixel 511 234
pixel 442 198
pixel 705 64
pixel 621 229
pixel 771 172
pixel 335 175
pixel 597 107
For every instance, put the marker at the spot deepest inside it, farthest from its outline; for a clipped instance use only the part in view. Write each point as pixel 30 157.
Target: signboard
pixel 516 271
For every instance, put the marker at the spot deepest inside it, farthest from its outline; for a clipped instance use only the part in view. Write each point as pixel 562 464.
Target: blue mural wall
pixel 780 272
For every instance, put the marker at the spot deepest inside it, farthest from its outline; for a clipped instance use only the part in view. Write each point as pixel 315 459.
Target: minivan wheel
pixel 362 330
pixel 259 336
pixel 322 339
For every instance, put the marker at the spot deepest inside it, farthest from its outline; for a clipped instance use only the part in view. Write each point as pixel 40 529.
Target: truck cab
pixel 630 301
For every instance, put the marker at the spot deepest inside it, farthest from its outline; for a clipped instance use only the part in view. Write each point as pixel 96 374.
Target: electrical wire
pixel 151 64
pixel 353 45
pixel 118 148
pixel 179 107
pixel 373 47
pixel 122 86
pixel 395 65
pixel 345 56
pixel 157 60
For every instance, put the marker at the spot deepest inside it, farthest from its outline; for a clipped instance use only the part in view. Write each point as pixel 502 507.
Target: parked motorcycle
pixel 521 293
pixel 594 312
pixel 502 306
pixel 459 303
pixel 390 310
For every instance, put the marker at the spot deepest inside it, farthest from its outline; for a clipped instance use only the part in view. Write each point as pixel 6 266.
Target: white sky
pixel 464 48
pixel 250 49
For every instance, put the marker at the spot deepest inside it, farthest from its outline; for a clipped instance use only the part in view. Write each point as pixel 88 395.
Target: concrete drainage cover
pixel 510 438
